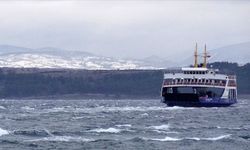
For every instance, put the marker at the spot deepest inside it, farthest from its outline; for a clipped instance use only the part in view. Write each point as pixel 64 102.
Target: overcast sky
pixel 120 28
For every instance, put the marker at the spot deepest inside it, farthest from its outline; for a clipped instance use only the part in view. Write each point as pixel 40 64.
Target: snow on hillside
pixel 55 58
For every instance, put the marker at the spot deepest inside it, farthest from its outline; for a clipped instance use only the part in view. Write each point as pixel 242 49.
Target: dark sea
pixel 121 124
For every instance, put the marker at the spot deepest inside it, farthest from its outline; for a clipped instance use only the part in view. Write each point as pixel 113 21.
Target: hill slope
pixel 11 56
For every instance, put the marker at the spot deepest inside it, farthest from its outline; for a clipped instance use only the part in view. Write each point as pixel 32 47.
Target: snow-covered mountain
pixel 58 58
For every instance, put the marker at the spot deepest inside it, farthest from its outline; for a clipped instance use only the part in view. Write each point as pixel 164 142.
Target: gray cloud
pixel 125 28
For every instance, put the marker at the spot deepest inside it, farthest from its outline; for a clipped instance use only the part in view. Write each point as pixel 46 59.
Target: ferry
pixel 198 86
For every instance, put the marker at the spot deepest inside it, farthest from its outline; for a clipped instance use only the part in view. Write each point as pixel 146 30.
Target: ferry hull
pixel 198 104
pixel 201 103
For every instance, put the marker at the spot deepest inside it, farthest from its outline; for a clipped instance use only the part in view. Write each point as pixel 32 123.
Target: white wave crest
pixel 62 139
pixel 126 109
pixel 192 138
pixel 232 128
pixel 113 109
pixel 217 138
pixel 27 108
pixel 167 139
pixel 57 109
pixel 109 130
pixel 160 127
pixel 123 125
pixel 3 132
pixel 179 108
pixel 166 132
pixel 144 114
pixel 2 107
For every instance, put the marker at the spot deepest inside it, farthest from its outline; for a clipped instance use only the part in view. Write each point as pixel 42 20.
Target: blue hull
pixel 202 103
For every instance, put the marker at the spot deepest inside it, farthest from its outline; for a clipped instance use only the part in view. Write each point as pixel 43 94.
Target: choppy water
pixel 121 124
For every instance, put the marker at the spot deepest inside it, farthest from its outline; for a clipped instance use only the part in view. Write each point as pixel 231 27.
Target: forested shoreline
pixel 100 84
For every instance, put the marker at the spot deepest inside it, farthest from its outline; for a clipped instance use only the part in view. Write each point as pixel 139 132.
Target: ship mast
pixel 195 57
pixel 205 56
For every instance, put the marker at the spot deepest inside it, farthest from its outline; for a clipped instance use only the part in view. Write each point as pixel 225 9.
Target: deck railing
pixel 194 83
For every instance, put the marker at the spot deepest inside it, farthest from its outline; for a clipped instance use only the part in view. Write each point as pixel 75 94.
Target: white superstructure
pixel 201 77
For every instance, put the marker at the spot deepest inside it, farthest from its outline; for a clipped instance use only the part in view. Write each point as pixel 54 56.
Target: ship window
pixel 232 83
pixel 201 91
pixel 168 81
pixel 182 90
pixel 232 94
pixel 174 81
pixel 210 92
pixel 169 90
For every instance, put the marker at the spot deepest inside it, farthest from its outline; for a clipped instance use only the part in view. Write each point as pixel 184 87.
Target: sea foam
pixel 27 108
pixel 166 139
pixel 101 109
pixel 123 125
pixel 2 107
pixel 109 130
pixel 62 139
pixel 192 138
pixel 160 127
pixel 3 132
